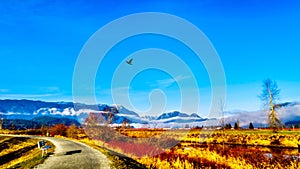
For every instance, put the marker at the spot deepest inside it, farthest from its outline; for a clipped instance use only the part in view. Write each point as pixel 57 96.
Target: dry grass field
pixel 158 148
pixel 249 149
pixel 20 152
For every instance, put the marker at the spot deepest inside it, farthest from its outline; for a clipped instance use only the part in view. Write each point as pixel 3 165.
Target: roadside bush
pixel 58 129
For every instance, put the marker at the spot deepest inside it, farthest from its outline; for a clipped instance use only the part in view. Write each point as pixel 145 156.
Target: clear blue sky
pixel 41 40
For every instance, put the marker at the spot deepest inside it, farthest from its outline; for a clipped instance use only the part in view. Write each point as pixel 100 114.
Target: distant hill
pixel 293 123
pixel 38 122
pixel 20 124
pixel 50 121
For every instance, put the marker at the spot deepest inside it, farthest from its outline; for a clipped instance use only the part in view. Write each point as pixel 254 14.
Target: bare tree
pixel 269 96
pixel 72 131
pixel 222 105
pixel 97 126
pixel 1 122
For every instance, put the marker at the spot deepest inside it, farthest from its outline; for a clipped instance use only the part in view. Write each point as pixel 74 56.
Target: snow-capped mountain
pixel 195 115
pixel 171 115
pixel 28 109
pixel 178 117
pixel 130 116
pixel 148 117
pixel 123 111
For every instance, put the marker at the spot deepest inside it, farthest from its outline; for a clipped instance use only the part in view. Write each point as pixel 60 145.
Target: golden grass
pixel 206 156
pixel 180 157
pixel 21 152
pixel 185 158
pixel 210 156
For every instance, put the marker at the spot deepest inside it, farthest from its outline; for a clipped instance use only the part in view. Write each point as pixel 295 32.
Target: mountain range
pixel 37 122
pixel 29 109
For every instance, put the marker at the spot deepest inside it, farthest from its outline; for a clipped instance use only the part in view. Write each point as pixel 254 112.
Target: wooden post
pixel 41 145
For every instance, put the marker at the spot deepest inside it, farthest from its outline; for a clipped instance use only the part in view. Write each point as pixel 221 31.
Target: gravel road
pixel 71 155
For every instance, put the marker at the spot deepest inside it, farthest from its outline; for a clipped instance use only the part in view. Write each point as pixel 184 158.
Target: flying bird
pixel 129 62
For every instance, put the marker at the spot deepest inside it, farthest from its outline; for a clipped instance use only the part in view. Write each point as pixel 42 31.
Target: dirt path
pixel 69 155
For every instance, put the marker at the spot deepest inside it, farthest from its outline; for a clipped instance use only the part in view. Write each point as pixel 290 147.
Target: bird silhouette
pixel 129 61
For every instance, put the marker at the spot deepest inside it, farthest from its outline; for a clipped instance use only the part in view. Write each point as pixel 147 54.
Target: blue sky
pixel 41 40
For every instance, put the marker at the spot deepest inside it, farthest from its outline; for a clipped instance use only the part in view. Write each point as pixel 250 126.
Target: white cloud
pixel 50 89
pixel 31 93
pixel 285 114
pixel 170 81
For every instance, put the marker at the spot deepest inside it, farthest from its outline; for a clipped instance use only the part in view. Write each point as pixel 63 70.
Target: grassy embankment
pixel 21 152
pixel 118 160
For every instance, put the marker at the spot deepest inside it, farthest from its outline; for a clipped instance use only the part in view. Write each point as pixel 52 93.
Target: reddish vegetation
pixel 58 129
pixel 136 149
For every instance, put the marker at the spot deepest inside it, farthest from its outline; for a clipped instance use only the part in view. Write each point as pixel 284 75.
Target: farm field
pixel 211 149
pixel 20 152
pixel 180 148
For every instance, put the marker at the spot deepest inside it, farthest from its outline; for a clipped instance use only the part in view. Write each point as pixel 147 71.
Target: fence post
pixel 41 144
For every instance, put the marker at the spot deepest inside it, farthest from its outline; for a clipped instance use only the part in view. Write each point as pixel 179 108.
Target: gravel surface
pixel 71 154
